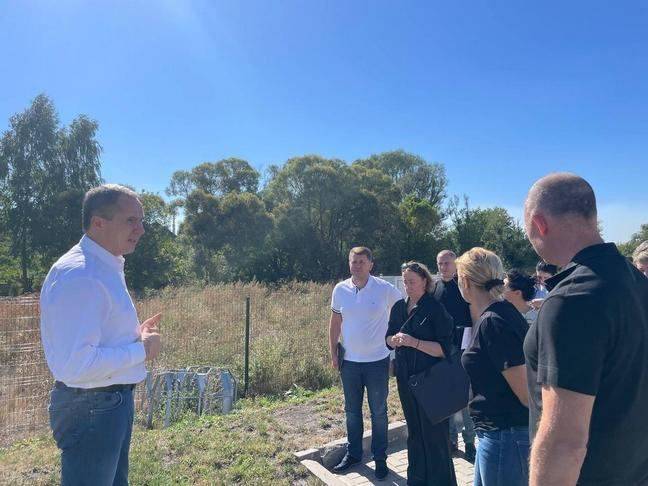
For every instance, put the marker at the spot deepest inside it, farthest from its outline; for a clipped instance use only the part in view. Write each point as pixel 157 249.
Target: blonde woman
pixel 495 364
pixel 421 330
pixel 640 258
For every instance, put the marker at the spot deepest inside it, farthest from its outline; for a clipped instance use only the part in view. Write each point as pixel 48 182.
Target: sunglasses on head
pixel 415 267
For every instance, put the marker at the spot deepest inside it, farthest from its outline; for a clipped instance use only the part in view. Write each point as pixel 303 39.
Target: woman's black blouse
pixel 428 321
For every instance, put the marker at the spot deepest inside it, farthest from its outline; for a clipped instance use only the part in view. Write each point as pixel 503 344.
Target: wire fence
pixel 206 326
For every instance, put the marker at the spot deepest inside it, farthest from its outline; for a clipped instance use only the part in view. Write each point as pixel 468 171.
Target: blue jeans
pixel 373 376
pixel 468 432
pixel 503 457
pixel 93 432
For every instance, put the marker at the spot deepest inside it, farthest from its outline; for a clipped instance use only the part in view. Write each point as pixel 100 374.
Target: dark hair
pixel 102 201
pixel 518 280
pixel 543 266
pixel 362 250
pixel 422 271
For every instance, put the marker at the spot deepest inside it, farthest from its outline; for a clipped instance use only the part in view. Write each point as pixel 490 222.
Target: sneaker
pixel 470 452
pixel 381 469
pixel 346 462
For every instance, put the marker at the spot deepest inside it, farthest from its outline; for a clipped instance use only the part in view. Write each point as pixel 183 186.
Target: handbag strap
pixel 409 318
pixel 449 356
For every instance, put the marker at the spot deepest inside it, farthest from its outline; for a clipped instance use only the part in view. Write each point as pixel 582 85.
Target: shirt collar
pixel 367 285
pixel 422 302
pixel 581 258
pixel 87 244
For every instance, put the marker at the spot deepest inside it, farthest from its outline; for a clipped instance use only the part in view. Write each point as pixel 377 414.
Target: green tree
pixel 312 200
pixel 495 230
pixel 44 171
pixel 201 215
pixel 323 207
pixel 215 178
pixel 412 174
pixel 225 233
pixel 423 233
pixel 415 230
pixel 640 236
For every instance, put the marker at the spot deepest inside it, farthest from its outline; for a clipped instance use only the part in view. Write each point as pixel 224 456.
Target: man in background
pixel 447 292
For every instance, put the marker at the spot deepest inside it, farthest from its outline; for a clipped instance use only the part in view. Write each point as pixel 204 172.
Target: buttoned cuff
pixel 137 353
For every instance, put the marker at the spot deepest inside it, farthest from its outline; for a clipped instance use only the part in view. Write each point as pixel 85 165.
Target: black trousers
pixel 429 455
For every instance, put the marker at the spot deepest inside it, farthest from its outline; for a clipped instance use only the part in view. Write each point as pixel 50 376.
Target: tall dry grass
pixel 288 332
pixel 200 326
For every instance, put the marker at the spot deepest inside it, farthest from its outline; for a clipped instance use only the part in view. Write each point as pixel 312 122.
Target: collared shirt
pixel 591 337
pixel 428 320
pixel 365 314
pixel 89 325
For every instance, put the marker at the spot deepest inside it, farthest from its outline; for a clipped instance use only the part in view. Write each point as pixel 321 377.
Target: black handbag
pixel 443 389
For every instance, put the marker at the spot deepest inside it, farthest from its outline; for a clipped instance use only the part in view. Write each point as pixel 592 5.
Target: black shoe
pixel 470 452
pixel 346 462
pixel 381 469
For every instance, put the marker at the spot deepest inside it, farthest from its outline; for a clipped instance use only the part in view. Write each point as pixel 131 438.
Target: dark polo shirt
pixel 591 337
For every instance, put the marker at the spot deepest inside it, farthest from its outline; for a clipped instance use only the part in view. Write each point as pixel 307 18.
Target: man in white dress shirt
pixel 94 343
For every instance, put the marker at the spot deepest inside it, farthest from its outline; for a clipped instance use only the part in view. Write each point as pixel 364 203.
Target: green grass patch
pixel 252 445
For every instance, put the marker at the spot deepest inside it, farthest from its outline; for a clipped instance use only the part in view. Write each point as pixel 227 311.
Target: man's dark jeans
pixel 373 376
pixel 93 431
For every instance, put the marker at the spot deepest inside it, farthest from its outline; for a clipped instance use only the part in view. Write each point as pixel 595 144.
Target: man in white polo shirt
pixel 360 309
pixel 94 343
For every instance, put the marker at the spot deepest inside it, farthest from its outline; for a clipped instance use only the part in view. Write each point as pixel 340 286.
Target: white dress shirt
pixel 365 317
pixel 89 325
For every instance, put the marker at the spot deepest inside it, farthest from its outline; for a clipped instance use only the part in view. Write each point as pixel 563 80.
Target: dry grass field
pixel 201 326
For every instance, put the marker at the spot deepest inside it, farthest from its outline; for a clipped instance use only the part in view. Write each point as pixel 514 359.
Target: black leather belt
pixel 110 388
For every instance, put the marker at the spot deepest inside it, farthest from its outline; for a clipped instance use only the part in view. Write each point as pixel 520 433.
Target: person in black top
pixel 494 362
pixel 447 292
pixel 587 353
pixel 420 330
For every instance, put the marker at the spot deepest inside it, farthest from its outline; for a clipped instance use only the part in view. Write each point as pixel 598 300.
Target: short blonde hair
pixel 640 255
pixel 483 268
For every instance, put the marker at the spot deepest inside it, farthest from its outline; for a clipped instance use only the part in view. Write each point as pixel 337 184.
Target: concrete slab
pixel 319 461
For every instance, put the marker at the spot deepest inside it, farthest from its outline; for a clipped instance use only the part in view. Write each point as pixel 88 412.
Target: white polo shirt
pixel 89 326
pixel 365 315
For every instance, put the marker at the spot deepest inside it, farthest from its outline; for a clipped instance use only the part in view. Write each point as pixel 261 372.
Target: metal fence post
pixel 246 375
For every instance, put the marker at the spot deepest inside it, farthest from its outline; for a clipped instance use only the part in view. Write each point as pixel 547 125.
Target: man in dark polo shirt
pixel 447 292
pixel 587 354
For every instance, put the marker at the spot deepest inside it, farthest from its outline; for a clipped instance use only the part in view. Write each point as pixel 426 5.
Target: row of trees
pixel 219 223
pixel 311 210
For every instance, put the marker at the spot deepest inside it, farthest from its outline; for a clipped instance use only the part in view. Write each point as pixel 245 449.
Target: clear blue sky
pixel 501 92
